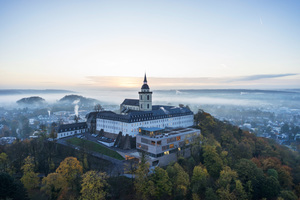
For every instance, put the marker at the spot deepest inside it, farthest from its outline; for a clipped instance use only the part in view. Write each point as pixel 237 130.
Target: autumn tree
pixel 199 180
pixel 93 185
pixel 227 177
pixel 30 179
pixel 53 184
pixel 70 169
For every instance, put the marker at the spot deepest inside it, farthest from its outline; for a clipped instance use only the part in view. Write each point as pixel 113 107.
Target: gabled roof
pixel 131 102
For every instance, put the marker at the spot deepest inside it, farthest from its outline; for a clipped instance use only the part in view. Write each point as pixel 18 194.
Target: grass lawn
pixel 92 146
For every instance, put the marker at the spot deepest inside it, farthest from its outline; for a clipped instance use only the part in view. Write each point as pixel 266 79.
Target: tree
pixel 272 172
pixel 288 195
pixel 53 184
pixel 3 162
pixel 212 161
pixel 30 179
pixel 199 180
pixel 93 185
pixel 252 178
pixel 210 194
pixel 227 176
pixel 141 183
pixel 70 169
pixel 10 189
pixel 180 180
pixel 225 194
pixel 162 183
pixel 98 108
pixel 239 191
pixel 271 187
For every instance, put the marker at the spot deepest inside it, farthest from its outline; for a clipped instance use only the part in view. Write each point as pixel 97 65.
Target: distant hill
pixel 20 91
pixel 31 101
pixel 77 99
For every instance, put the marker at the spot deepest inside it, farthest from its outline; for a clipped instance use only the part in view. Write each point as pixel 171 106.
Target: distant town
pixel 282 124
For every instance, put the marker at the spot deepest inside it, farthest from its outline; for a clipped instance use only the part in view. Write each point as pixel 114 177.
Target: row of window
pixel 148 97
pixel 160 154
pixel 148 106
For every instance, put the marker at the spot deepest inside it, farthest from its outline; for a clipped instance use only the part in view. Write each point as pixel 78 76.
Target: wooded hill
pixel 226 163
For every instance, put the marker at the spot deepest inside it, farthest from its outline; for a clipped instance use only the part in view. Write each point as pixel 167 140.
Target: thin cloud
pixel 255 81
pixel 260 76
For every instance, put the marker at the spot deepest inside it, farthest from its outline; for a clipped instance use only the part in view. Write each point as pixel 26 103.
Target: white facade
pixel 69 133
pixel 65 130
pixel 147 115
pixel 132 129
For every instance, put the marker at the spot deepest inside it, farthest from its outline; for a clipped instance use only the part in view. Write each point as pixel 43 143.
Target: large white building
pixel 136 113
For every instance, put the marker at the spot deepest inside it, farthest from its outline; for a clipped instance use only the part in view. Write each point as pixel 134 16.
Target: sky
pixel 179 44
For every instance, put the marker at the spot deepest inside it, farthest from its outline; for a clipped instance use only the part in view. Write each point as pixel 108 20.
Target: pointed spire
pixel 145 79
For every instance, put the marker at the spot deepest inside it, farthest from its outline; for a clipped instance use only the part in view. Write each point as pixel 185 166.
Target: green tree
pixel 180 180
pixel 10 189
pixel 162 183
pixel 141 179
pixel 3 162
pixel 199 180
pixel 239 191
pixel 272 172
pixel 271 187
pixel 227 176
pixel 212 161
pixel 93 185
pixel 225 194
pixel 210 194
pixel 288 195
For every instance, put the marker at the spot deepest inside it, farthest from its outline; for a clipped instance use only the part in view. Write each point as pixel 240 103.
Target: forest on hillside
pixel 226 163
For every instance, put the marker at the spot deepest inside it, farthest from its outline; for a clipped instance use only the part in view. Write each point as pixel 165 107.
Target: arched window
pixel 148 97
pixel 147 105
pixel 141 97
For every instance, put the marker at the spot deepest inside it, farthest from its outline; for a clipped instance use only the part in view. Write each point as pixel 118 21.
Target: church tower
pixel 145 97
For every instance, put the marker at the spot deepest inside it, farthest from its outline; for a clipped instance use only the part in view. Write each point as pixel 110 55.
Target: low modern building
pixel 65 130
pixel 163 144
pixel 136 113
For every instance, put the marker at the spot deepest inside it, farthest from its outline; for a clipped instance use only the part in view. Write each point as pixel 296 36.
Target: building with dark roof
pixel 65 130
pixel 136 113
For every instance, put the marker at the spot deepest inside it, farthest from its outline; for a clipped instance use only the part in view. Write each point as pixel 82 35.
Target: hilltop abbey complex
pixel 140 113
pixel 159 131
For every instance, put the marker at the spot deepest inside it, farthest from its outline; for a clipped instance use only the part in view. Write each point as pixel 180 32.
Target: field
pixel 92 146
